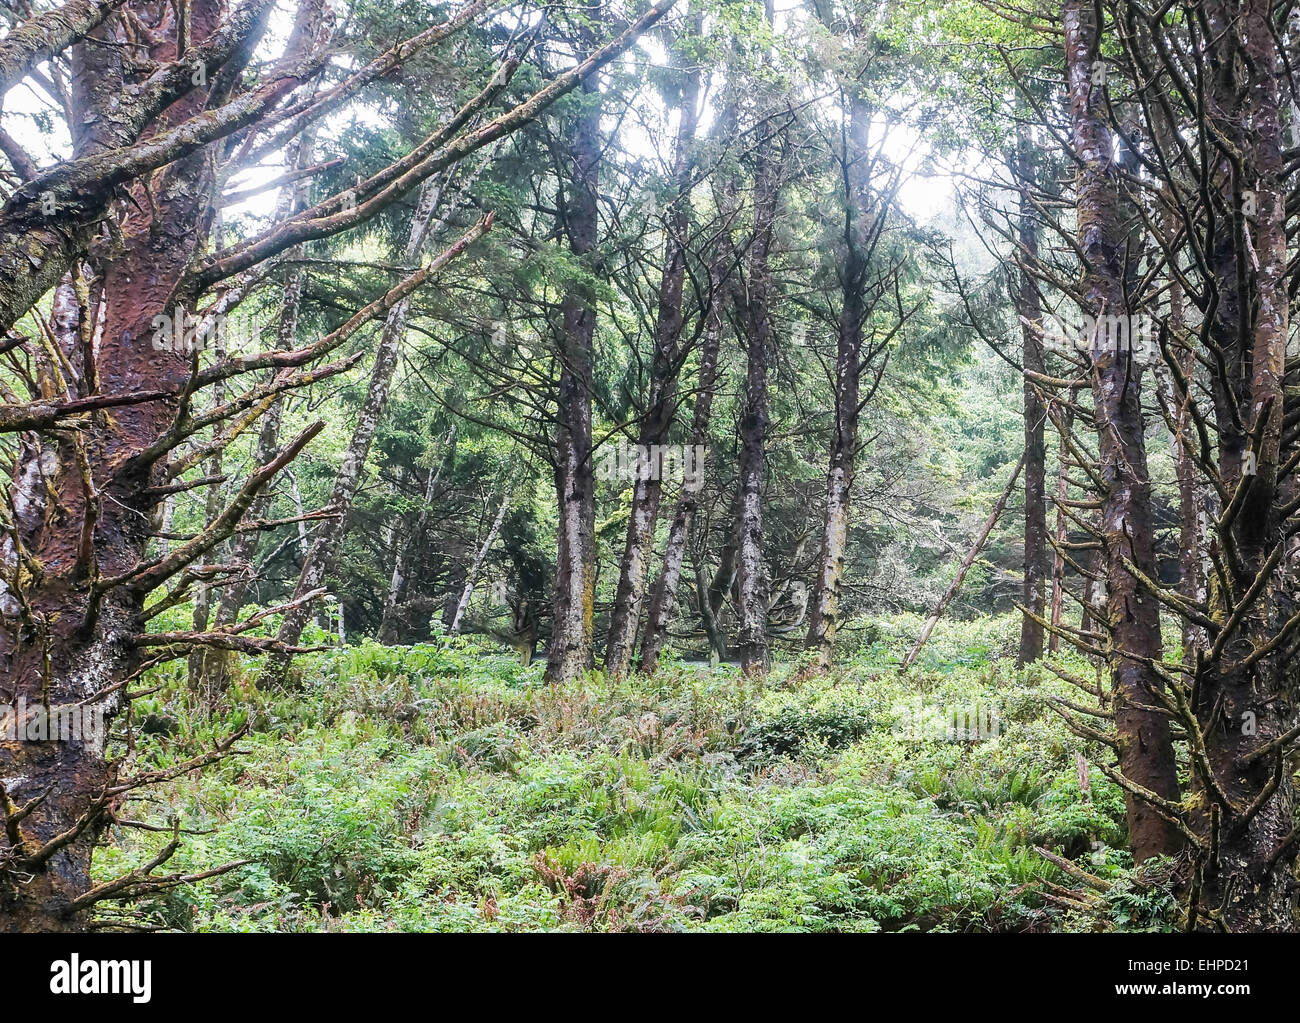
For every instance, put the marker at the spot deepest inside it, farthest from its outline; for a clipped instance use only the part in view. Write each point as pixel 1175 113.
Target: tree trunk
pixel 329 533
pixel 1146 756
pixel 755 316
pixel 661 401
pixel 709 611
pixel 198 664
pixel 570 651
pixel 855 168
pixel 720 281
pixel 1246 694
pixel 1062 532
pixel 472 575
pixel 1029 307
pixel 1191 580
pixel 664 595
pixel 83 513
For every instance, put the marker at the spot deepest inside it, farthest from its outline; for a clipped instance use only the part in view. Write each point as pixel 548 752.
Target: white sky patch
pixel 928 190
pixel 26 105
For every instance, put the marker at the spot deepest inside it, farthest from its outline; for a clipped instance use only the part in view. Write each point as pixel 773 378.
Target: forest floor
pixel 444 787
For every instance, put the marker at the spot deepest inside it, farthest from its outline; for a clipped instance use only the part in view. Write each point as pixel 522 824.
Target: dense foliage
pixel 445 787
pixel 650 465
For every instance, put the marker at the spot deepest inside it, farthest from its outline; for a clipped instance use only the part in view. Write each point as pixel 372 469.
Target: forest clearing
pixel 677 466
pixel 446 788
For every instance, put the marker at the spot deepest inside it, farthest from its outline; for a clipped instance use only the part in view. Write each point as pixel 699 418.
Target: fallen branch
pixel 1074 870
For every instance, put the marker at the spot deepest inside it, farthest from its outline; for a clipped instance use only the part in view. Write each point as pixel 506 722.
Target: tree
pixel 119 231
pixel 570 651
pixel 665 364
pixel 1179 197
pixel 755 319
pixel 1029 310
pixel 868 187
pixel 1132 617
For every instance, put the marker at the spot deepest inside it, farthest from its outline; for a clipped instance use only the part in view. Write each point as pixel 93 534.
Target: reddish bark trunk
pixel 1245 700
pixel 66 641
pixel 1145 749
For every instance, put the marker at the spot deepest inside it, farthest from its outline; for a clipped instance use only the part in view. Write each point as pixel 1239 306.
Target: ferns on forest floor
pixel 448 788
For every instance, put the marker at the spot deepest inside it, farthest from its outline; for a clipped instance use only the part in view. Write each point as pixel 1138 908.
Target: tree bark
pixel 661 400
pixel 48 33
pixel 1146 754
pixel 570 651
pixel 1029 307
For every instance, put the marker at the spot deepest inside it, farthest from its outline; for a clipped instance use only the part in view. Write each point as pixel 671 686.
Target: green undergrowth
pixel 445 787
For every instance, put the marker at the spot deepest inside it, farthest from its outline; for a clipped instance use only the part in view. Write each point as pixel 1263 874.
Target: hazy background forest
pixel 726 464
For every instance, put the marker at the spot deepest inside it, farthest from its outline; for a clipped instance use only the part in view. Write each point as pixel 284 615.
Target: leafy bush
pixel 794 727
